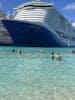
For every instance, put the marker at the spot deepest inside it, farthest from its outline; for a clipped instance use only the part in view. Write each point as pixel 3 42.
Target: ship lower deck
pixel 27 34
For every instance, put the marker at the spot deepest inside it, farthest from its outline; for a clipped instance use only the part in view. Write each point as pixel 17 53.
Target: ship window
pixel 39 5
pixel 28 8
pixel 35 6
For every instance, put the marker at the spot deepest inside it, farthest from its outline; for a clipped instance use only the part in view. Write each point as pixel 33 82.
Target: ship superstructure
pixel 38 23
pixel 4 35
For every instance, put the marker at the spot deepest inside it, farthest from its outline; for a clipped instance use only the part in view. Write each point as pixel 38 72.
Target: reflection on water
pixel 34 76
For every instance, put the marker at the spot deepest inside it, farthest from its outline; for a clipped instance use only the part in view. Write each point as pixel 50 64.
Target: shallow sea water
pixel 35 76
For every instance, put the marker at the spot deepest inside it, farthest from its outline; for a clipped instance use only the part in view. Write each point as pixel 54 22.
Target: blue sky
pixel 65 7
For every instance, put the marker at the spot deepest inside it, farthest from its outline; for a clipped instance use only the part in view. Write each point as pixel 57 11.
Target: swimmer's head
pixel 52 53
pixel 58 54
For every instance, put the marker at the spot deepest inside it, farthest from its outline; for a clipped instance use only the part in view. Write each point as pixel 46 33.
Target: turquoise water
pixel 35 76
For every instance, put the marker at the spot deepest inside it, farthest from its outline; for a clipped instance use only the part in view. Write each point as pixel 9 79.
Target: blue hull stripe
pixel 27 34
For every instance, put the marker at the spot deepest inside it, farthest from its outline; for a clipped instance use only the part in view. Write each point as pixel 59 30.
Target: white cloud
pixel 73 24
pixel 70 6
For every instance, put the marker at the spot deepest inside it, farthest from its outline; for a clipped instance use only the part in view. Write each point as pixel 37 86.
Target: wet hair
pixel 52 53
pixel 13 50
pixel 73 51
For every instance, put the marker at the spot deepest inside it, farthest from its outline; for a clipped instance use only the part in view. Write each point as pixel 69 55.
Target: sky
pixel 65 7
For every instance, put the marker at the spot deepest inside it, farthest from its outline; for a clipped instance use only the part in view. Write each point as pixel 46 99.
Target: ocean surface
pixel 33 75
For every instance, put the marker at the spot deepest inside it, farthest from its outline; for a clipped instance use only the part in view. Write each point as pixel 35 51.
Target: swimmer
pixel 41 51
pixel 58 57
pixel 52 55
pixel 13 50
pixel 20 52
pixel 73 51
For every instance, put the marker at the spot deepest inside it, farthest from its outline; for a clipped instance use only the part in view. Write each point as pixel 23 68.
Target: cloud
pixel 70 6
pixel 73 24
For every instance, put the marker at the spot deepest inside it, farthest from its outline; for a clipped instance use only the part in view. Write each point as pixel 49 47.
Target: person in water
pixel 73 51
pixel 19 52
pixel 52 55
pixel 58 57
pixel 13 50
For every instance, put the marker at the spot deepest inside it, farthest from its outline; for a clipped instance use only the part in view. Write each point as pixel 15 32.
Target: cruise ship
pixel 5 38
pixel 39 24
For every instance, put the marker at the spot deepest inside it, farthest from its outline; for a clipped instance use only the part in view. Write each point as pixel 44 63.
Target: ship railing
pixel 7 19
